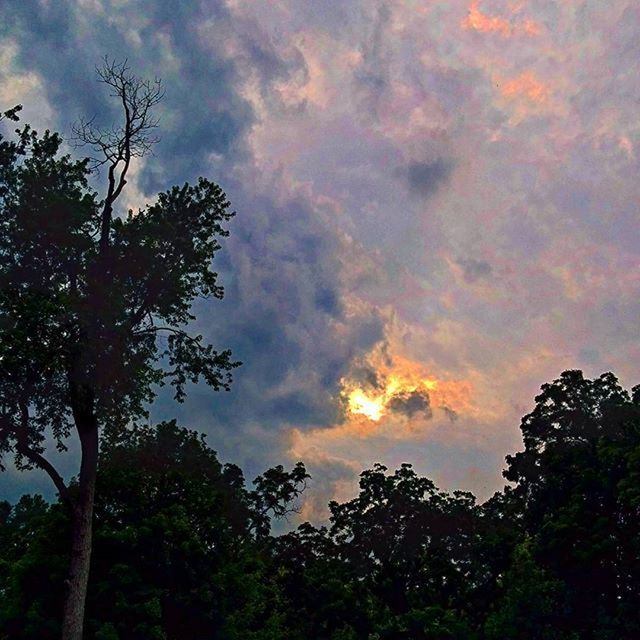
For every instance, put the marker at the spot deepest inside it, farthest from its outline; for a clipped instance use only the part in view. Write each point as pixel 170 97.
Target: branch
pixel 11 114
pixel 22 447
pixel 179 332
pixel 40 461
pixel 120 143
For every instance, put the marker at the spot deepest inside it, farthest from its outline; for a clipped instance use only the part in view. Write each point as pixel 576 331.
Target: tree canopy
pixel 554 556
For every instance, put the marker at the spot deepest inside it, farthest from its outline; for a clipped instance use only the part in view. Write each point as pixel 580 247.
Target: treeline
pixel 183 549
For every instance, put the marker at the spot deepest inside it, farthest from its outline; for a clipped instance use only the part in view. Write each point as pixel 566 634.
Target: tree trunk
pixel 82 526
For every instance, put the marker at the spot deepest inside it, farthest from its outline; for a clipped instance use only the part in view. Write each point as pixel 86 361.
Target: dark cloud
pixel 367 377
pixel 474 270
pixel 411 403
pixel 203 112
pixel 425 178
pixel 284 318
pixel 450 413
pixel 283 314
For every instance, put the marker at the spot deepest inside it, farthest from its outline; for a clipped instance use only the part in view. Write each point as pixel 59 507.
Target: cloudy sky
pixel 437 209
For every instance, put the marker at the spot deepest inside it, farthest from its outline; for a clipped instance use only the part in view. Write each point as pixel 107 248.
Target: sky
pixel 437 210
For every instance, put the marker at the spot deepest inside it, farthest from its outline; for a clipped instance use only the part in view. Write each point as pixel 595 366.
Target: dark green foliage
pixel 577 479
pixel 33 564
pixel 95 302
pixel 529 604
pixel 181 546
pixel 183 549
pixel 396 562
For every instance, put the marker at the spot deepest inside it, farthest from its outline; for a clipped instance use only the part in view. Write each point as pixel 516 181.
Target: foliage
pixel 56 323
pixel 181 546
pixel 555 556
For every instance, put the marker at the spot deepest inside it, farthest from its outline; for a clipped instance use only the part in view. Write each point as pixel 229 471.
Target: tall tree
pixel 397 562
pixel 577 480
pixel 94 306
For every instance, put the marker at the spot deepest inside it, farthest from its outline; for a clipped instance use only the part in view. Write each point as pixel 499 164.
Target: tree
pixel 189 535
pixel 182 546
pixel 528 603
pixel 577 481
pixel 397 562
pixel 94 307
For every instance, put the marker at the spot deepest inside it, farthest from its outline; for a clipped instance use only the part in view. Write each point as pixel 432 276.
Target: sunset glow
pixel 479 21
pixel 507 27
pixel 361 403
pixel 402 391
pixel 526 85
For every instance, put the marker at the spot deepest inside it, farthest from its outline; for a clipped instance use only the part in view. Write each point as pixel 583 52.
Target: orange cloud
pixel 479 21
pixel 527 86
pixel 476 20
pixel 367 404
pixel 531 27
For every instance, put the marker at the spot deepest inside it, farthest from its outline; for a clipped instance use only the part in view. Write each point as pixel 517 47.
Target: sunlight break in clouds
pixel 392 392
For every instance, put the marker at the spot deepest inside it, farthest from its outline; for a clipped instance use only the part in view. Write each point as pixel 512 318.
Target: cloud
pixel 474 270
pixel 331 479
pixel 425 178
pixel 195 48
pixel 451 414
pixel 410 403
pixel 477 20
pixel 388 161
pixel 372 75
pixel 284 314
pixel 526 86
pixel 366 376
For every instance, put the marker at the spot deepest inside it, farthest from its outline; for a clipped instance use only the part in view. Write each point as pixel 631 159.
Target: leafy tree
pixel 33 562
pixel 93 306
pixel 397 562
pixel 577 480
pixel 529 604
pixel 189 539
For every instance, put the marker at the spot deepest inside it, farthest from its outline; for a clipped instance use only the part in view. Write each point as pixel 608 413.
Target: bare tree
pixel 119 144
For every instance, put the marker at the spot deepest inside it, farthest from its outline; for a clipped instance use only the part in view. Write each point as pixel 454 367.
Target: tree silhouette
pixel 556 556
pixel 94 307
pixel 181 546
pixel 577 480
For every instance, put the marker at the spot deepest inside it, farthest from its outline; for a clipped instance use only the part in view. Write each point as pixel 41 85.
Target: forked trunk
pixel 82 525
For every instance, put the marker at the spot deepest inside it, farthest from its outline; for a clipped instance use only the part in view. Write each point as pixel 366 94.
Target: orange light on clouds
pixel 403 379
pixel 476 20
pixel 527 86
pixel 531 27
pixel 361 403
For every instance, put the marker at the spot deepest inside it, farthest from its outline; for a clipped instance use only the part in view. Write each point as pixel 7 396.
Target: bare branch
pixel 115 146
